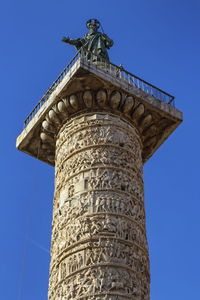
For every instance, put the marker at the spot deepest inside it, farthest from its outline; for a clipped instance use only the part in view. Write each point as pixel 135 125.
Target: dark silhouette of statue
pixel 94 44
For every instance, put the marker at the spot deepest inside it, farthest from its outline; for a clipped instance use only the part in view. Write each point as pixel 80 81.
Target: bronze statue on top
pixel 94 44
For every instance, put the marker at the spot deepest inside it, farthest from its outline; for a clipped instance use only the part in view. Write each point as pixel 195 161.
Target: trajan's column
pixel 98 124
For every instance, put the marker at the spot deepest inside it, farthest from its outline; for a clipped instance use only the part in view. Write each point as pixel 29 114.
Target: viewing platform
pixel 79 75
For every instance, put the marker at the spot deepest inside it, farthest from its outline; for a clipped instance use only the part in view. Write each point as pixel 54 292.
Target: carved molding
pixel 105 101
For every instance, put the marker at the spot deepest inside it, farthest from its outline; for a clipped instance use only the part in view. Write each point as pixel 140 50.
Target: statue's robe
pixel 95 46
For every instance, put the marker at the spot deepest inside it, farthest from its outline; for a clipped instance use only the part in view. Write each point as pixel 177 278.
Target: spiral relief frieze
pixel 99 246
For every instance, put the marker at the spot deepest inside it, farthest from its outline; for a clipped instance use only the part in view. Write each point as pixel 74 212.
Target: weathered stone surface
pixel 99 246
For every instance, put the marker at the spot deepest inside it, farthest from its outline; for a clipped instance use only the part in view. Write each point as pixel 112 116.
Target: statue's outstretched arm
pixel 76 42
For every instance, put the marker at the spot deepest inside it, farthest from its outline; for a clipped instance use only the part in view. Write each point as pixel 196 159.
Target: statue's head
pixel 93 25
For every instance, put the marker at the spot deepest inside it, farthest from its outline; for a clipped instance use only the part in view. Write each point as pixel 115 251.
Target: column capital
pixel 89 88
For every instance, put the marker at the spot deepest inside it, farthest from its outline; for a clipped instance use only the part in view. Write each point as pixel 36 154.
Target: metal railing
pixel 110 68
pixel 144 86
pixel 51 89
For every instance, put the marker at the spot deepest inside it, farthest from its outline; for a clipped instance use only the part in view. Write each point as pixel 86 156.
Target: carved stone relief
pixel 99 246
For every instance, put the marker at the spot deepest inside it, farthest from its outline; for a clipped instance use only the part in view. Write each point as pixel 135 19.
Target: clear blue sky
pixel 158 40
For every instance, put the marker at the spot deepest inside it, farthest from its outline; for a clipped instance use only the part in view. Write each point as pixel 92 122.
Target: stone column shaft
pixel 99 247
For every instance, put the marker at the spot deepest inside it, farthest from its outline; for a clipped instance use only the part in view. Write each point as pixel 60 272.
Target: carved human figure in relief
pixel 94 44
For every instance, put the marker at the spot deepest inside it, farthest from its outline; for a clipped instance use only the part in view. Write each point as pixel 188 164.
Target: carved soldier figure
pixel 94 44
